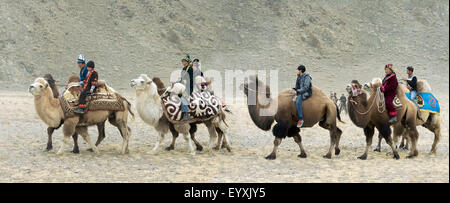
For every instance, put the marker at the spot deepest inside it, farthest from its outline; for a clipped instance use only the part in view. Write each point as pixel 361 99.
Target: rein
pixel 379 99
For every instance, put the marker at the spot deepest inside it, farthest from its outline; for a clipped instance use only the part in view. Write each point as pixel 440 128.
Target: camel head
pixel 38 87
pixel 252 83
pixel 376 83
pixel 143 82
pixel 354 88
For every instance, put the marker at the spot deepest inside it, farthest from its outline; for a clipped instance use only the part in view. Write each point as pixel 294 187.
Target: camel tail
pixel 338 113
pixel 129 109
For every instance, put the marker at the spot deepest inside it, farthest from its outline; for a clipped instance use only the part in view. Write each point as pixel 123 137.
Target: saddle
pixel 202 106
pixel 105 98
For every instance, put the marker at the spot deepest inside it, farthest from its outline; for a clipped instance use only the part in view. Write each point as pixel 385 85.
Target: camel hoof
pixel 378 149
pixel 410 157
pixel 90 150
pixel 216 148
pixel 76 151
pixel 228 149
pixel 199 148
pixel 271 157
pixel 302 155
pixel 396 156
pixel 327 156
pixel 49 147
pixel 169 148
pixel 363 157
pixel 337 151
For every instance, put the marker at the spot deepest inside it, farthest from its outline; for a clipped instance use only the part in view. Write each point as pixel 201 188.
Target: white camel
pixel 149 107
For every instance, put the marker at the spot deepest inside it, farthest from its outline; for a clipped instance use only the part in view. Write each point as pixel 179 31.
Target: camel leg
pixel 160 140
pixel 68 131
pixel 125 137
pixel 337 151
pixel 399 130
pixel 189 143
pixel 219 140
pixel 378 148
pixel 212 134
pixel 414 136
pixel 174 137
pixel 192 131
pixel 333 137
pixel 49 141
pixel 84 133
pixel 101 133
pixel 332 144
pixel 368 132
pixel 184 130
pixel 221 129
pixel 435 127
pixel 276 143
pixel 224 137
pixel 437 137
pixel 385 131
pixel 298 140
pixel 76 149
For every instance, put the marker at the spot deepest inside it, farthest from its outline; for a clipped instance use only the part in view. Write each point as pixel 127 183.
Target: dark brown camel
pixel 317 109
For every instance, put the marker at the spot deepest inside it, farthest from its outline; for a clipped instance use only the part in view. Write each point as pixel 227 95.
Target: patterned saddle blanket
pixel 426 102
pixel 202 105
pixel 104 99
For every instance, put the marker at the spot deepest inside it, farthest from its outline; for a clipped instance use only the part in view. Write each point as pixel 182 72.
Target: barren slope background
pixel 336 40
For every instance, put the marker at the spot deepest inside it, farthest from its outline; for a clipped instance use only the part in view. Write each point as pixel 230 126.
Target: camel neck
pixel 48 108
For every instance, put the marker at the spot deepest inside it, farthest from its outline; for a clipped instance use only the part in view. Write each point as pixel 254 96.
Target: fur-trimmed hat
pixel 187 58
pixel 390 66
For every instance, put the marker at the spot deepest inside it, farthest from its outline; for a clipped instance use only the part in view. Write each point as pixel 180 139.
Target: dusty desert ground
pixel 23 139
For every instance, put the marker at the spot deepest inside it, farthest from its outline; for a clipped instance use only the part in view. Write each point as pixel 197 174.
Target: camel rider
pixel 389 88
pixel 89 85
pixel 412 83
pixel 187 78
pixel 197 68
pixel 303 89
pixel 412 86
pixel 83 69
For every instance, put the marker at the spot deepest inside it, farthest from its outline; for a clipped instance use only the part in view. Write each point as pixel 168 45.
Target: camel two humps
pixel 316 109
pixel 50 111
pixel 150 109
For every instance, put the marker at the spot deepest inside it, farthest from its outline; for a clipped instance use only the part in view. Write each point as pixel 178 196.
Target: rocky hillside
pixel 336 40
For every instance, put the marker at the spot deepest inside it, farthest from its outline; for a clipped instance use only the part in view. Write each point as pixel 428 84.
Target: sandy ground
pixel 23 139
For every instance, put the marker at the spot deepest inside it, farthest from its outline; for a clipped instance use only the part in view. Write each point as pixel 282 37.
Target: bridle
pixel 379 99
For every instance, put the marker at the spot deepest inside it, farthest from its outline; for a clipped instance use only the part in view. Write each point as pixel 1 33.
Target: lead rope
pixel 379 99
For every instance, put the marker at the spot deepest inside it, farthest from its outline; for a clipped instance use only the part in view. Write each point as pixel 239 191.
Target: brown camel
pixel 50 111
pixel 51 129
pixel 317 109
pixel 429 120
pixel 370 113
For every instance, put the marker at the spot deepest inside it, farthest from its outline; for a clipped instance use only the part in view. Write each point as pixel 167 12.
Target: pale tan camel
pixel 316 109
pixel 50 111
pixel 51 129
